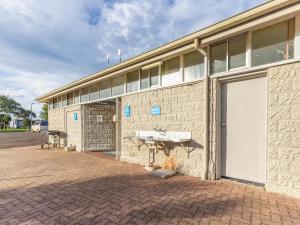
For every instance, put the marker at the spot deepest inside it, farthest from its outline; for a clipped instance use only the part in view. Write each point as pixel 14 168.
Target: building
pixel 16 122
pixel 234 86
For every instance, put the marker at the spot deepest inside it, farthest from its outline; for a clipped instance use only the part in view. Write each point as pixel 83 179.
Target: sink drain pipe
pixel 206 117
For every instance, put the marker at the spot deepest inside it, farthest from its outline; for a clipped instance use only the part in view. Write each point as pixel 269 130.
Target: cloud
pixel 45 44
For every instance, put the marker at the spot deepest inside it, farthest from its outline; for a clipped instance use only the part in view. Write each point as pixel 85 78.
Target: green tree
pixel 44 112
pixel 9 105
pixel 4 120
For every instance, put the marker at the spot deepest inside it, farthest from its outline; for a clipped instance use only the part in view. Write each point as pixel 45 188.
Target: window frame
pixel 226 41
pixel 180 70
pixel 289 21
pixel 203 75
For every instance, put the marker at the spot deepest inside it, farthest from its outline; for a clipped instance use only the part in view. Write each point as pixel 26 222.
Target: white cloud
pixel 47 43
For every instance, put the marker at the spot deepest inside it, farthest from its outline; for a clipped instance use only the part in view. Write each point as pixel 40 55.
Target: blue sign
pixel 127 111
pixel 75 116
pixel 155 110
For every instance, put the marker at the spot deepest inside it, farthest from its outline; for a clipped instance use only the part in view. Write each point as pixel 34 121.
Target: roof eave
pixel 215 28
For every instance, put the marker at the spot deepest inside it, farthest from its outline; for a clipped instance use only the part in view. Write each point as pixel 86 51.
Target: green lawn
pixel 10 130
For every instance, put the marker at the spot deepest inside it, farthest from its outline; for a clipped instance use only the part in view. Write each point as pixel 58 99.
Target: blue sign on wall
pixel 75 116
pixel 155 110
pixel 127 111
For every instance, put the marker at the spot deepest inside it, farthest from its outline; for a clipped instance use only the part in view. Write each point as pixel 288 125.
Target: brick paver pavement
pixel 55 187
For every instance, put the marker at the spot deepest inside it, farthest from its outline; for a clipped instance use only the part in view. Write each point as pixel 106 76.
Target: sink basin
pixel 151 139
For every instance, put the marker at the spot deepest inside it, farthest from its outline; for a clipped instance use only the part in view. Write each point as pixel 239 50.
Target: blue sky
pixel 45 44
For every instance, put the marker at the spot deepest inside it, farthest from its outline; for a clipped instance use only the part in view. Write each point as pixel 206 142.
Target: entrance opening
pixel 101 127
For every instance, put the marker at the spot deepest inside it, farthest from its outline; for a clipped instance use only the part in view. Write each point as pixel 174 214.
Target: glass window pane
pixel 154 75
pixel 94 92
pixel 76 97
pixel 132 84
pixel 64 100
pixel 59 99
pixel 84 95
pixel 218 57
pixel 270 44
pixel 55 104
pixel 237 52
pixel 70 100
pixel 50 104
pixel 171 72
pixel 193 66
pixel 291 37
pixel 145 79
pixel 118 85
pixel 105 89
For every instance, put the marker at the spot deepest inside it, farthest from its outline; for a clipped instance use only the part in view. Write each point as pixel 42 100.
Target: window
pixel 105 89
pixel 117 85
pixel 149 77
pixel 76 97
pixel 50 104
pixel 154 74
pixel 84 95
pixel 64 100
pixel 59 99
pixel 171 72
pixel 70 100
pixel 94 92
pixel 193 66
pixel 145 82
pixel 229 54
pixel 55 104
pixel 218 57
pixel 237 52
pixel 273 43
pixel 132 83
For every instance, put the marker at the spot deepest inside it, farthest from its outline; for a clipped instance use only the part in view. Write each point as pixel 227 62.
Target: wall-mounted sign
pixel 127 111
pixel 75 116
pixel 155 110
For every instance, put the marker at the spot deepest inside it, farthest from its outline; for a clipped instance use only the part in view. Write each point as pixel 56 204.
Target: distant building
pixel 16 122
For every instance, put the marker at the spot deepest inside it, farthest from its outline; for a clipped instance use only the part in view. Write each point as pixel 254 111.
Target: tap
pixel 161 131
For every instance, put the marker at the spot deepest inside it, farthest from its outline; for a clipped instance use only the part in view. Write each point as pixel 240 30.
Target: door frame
pixel 229 79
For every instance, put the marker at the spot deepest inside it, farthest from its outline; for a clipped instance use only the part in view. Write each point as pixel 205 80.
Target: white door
pixel 243 130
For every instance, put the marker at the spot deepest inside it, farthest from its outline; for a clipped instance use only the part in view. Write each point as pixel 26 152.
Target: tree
pixel 44 112
pixel 4 120
pixel 9 105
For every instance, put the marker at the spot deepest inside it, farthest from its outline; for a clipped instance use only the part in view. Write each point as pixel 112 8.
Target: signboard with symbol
pixel 155 110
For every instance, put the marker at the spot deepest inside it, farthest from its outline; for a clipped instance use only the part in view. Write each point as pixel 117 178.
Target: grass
pixel 11 130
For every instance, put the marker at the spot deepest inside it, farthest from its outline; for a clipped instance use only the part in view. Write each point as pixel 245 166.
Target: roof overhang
pixel 204 34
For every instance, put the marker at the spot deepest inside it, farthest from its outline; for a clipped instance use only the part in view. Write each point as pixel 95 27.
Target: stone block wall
pixel 283 148
pixel 62 120
pixel 182 109
pixel 99 135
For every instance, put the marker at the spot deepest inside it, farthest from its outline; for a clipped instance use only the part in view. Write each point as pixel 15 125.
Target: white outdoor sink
pixel 151 137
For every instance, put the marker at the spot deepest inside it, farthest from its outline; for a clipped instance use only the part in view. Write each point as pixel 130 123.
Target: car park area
pixel 19 139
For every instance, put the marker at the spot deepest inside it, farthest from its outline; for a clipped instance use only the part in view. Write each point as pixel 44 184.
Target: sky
pixel 45 44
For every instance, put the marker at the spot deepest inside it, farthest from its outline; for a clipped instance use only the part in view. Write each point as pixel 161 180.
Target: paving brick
pixel 56 187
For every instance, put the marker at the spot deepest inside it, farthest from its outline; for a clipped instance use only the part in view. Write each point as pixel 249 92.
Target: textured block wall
pixel 99 135
pixel 283 148
pixel 62 120
pixel 182 109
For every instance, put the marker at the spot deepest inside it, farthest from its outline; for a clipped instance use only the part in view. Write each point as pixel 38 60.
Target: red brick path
pixel 55 187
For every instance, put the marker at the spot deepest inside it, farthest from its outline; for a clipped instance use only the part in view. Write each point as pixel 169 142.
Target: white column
pixel 297 37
